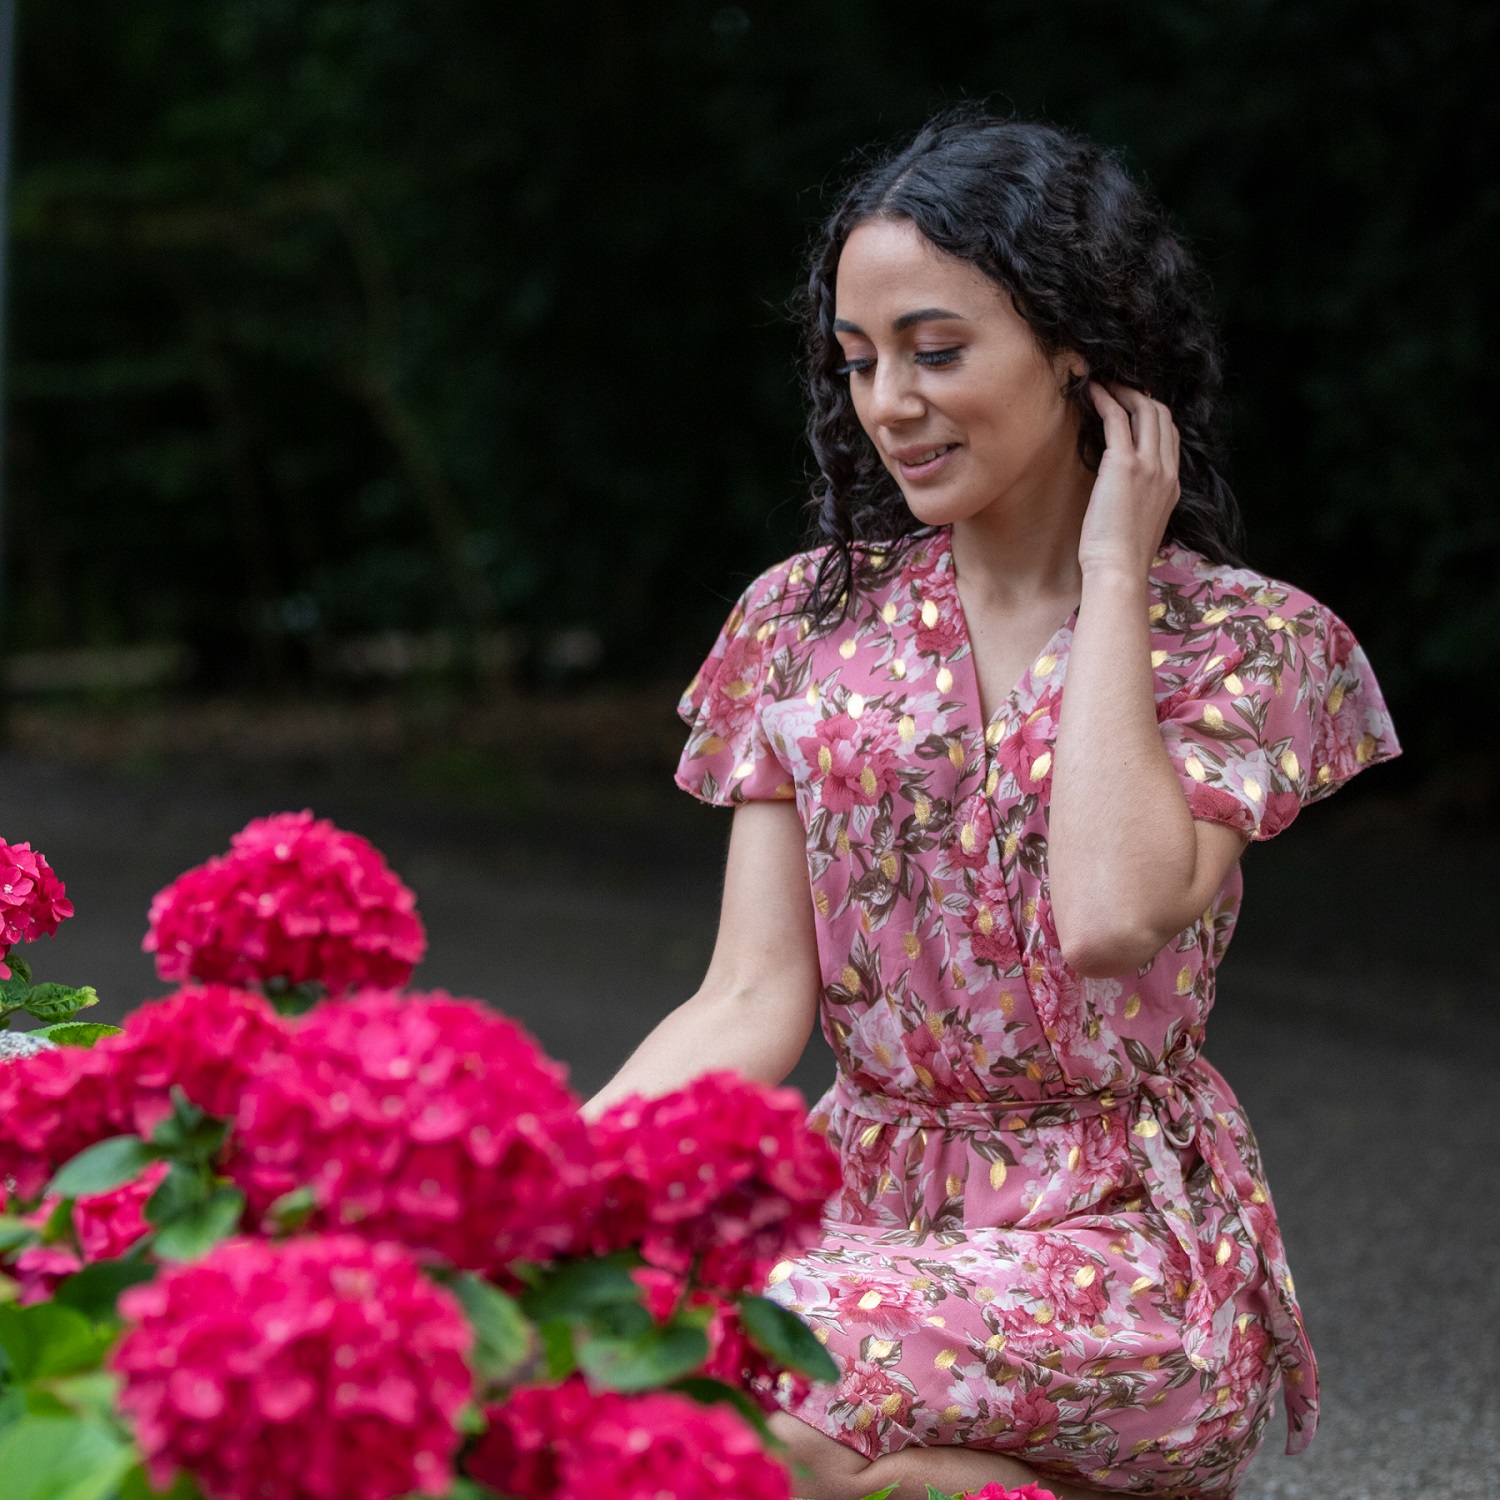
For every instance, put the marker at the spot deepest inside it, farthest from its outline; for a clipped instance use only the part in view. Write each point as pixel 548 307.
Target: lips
pixel 923 463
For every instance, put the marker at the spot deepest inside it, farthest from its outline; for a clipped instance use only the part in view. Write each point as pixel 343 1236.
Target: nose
pixel 894 397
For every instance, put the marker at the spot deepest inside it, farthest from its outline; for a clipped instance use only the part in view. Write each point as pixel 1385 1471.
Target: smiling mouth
pixel 925 459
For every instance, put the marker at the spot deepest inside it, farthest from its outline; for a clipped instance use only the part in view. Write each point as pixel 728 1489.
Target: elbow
pixel 1104 950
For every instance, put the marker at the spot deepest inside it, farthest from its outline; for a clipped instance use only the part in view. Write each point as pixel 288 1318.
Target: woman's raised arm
pixel 755 1009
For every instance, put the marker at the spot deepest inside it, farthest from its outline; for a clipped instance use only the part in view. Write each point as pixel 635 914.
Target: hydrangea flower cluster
pixel 295 900
pixel 105 1225
pixel 33 901
pixel 997 1491
pixel 423 1119
pixel 722 1175
pixel 322 1368
pixel 205 1039
pixel 565 1442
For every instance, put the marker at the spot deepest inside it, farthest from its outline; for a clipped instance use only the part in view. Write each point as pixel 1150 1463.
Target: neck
pixel 1022 548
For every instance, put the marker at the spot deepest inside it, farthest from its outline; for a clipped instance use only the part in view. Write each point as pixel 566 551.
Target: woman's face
pixel 948 380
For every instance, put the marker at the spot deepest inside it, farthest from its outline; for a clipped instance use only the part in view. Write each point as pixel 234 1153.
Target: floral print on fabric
pixel 1054 1237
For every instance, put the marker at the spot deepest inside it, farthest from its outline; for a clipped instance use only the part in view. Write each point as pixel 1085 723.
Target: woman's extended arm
pixel 1129 866
pixel 755 1008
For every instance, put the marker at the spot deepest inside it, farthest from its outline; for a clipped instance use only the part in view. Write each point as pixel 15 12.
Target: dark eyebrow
pixel 905 321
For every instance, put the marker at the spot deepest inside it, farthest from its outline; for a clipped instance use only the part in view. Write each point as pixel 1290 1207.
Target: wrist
pixel 1115 578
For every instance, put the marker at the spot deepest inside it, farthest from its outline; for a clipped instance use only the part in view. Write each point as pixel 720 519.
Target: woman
pixel 995 750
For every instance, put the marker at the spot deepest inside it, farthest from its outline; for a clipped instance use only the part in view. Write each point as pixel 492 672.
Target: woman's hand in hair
pixel 1136 487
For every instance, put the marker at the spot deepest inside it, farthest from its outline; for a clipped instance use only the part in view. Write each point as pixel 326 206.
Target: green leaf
pixel 188 1134
pixel 890 1490
pixel 137 1486
pixel 103 1166
pixel 45 1339
pixel 13 992
pixel 933 1493
pixel 56 1002
pixel 202 1226
pixel 709 1392
pixel 61 1458
pixel 91 1394
pixel 292 1210
pixel 502 1336
pixel 557 1349
pixel 178 1193
pixel 15 1232
pixel 784 1337
pixel 19 968
pixel 580 1288
pixel 469 1489
pixel 655 1358
pixel 77 1033
pixel 94 1290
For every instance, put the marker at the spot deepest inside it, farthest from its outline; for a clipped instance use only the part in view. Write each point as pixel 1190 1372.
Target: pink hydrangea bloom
pixel 724 1172
pixel 320 1368
pixel 106 1225
pixel 295 899
pixel 424 1119
pixel 206 1038
pixel 997 1491
pixel 32 899
pixel 566 1443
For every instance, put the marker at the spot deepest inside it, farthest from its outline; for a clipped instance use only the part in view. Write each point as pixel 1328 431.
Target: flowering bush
pixel 721 1177
pixel 324 1368
pixel 33 901
pixel 296 901
pixel 205 1041
pixel 373 1250
pixel 547 1444
pixel 423 1119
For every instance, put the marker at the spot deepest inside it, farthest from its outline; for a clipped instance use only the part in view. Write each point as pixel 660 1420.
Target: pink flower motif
pixel 855 758
pixel 33 901
pixel 424 1119
pixel 321 1368
pixel 1062 1275
pixel 939 631
pixel 992 933
pixel 106 1225
pixel 867 1384
pixel 736 684
pixel 295 900
pixel 207 1039
pixel 883 1305
pixel 1026 752
pixel 723 1172
pixel 567 1443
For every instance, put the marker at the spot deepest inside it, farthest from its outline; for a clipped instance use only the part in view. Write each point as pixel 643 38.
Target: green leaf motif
pixel 61 1458
pixel 784 1337
pixel 77 1033
pixel 652 1359
pixel 45 1340
pixel 200 1227
pixel 56 1002
pixel 103 1166
pixel 502 1336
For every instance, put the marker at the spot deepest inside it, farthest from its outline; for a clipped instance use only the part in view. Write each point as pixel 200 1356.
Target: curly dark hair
pixel 1093 266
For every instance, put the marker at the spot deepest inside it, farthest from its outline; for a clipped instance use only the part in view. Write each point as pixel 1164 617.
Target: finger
pixel 1144 419
pixel 1116 419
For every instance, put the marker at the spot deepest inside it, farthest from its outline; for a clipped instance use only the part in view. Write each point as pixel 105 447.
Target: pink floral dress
pixel 1055 1238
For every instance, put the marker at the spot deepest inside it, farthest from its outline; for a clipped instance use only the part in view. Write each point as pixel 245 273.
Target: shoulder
pixel 1209 612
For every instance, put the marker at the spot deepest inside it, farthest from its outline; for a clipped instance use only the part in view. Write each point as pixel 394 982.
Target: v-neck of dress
pixel 1009 704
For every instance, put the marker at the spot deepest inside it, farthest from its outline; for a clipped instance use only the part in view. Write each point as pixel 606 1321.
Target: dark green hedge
pixel 330 315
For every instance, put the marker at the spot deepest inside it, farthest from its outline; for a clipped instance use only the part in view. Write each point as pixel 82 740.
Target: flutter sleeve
pixel 728 758
pixel 1285 711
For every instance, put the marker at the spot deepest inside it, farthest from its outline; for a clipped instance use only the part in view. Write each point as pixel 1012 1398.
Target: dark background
pixel 337 316
pixel 412 378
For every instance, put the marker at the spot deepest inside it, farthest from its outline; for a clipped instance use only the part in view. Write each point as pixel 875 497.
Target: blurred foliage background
pixel 335 317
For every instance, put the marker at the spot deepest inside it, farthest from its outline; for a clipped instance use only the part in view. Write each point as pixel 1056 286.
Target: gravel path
pixel 1357 1022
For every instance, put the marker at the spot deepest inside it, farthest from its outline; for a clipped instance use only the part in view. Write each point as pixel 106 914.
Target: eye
pixel 936 357
pixel 854 367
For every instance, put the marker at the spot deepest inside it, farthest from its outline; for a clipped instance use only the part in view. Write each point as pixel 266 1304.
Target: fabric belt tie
pixel 1167 1114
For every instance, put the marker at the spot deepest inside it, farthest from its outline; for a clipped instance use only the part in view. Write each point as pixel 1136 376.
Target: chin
pixel 937 508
